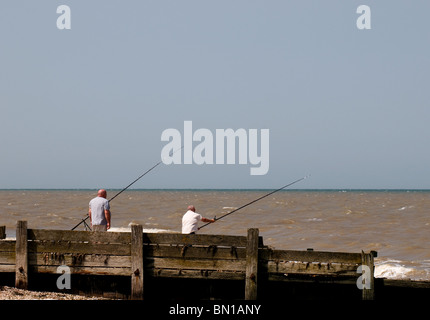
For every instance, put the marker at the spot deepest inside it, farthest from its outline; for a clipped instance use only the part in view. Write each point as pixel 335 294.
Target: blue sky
pixel 85 108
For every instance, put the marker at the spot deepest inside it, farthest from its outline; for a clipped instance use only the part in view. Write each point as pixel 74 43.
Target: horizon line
pixel 217 189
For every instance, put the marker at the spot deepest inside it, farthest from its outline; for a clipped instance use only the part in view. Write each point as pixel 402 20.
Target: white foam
pixel 405 207
pixel 145 230
pixel 392 271
pixel 395 269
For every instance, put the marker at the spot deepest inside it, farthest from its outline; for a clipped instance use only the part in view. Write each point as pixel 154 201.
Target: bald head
pixel 102 193
pixel 191 207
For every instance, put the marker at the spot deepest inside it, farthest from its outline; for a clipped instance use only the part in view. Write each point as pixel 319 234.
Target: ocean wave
pixel 405 207
pixel 401 270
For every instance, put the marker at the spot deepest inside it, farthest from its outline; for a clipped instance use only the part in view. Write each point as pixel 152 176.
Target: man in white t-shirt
pixel 191 219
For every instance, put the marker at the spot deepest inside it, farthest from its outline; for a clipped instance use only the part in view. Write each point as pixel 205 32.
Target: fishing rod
pixel 141 176
pixel 253 201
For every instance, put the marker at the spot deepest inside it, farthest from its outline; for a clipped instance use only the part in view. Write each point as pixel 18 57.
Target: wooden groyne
pixel 222 262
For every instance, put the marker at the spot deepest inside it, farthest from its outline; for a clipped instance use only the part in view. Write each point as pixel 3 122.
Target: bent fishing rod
pixel 141 176
pixel 253 201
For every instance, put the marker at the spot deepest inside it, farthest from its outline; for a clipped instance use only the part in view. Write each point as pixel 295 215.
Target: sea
pixel 395 223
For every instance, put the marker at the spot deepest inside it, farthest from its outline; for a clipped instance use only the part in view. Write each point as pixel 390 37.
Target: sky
pixel 85 107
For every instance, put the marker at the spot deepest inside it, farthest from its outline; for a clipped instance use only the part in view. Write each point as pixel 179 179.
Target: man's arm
pixel 107 216
pixel 208 220
pixel 89 214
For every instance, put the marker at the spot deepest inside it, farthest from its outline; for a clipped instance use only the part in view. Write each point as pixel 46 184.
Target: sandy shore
pixel 10 293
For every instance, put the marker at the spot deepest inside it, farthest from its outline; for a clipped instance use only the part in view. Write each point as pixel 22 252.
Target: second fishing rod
pixel 253 201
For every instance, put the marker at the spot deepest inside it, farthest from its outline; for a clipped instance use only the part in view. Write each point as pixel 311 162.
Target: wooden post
pixel 251 265
pixel 369 290
pixel 21 260
pixel 137 262
pixel 2 232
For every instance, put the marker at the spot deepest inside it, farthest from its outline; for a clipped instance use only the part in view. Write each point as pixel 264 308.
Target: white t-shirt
pixel 190 221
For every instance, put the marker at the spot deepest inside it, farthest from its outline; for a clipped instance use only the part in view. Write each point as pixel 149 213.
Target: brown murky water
pixel 394 223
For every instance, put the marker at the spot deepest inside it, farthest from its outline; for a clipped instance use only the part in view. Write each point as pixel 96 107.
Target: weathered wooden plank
pixel 310 256
pixel 406 283
pixel 78 260
pixel 88 250
pixel 300 278
pixel 137 277
pixel 7 245
pixel 195 264
pixel 295 267
pixel 194 239
pixel 124 237
pixel 251 265
pixel 7 267
pixel 77 247
pixel 21 258
pixel 2 232
pixel 7 257
pixel 79 236
pixel 194 274
pixel 84 270
pixel 186 251
pixel 368 288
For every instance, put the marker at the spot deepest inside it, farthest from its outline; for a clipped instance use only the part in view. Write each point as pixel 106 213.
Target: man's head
pixel 102 193
pixel 191 207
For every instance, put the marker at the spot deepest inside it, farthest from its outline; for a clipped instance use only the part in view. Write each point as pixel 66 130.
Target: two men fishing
pixel 100 215
pixel 101 210
pixel 191 220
